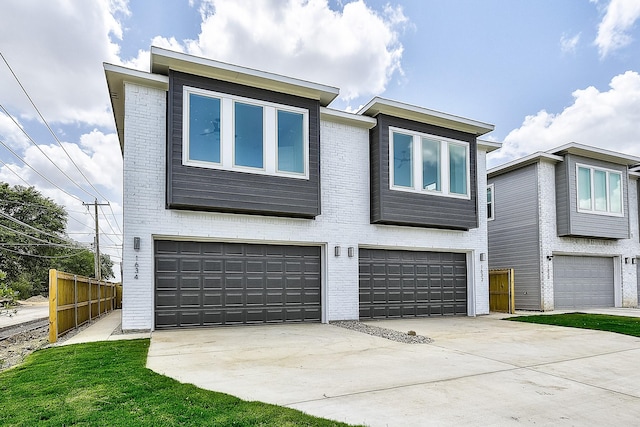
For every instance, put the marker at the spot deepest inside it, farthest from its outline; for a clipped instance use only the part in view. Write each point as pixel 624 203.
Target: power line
pixel 14 172
pixel 39 256
pixel 42 176
pixel 42 151
pixel 19 202
pixel 49 127
pixel 37 239
pixel 17 221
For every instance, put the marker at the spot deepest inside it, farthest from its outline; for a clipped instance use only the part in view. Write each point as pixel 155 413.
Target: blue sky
pixel 544 72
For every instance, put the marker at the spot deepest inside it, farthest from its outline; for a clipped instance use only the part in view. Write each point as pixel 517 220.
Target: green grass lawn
pixel 601 322
pixel 107 384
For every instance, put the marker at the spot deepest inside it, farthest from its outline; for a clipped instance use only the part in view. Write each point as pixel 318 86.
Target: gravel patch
pixel 376 331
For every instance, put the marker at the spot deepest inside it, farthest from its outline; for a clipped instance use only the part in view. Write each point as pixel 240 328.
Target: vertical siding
pixel 588 224
pixel 514 233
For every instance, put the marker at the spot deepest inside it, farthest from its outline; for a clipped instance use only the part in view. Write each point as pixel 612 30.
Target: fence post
pixel 53 306
pixel 90 302
pixel 75 298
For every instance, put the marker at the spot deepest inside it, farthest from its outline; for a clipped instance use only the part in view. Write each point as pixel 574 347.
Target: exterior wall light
pixel 483 256
pixel 350 251
pixel 336 250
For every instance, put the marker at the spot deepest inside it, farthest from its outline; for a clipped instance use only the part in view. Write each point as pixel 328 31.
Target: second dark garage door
pixel 411 284
pixel 213 283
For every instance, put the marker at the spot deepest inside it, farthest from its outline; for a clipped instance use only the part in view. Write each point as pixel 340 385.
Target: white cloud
pixel 607 119
pixel 569 44
pixel 356 49
pixel 56 48
pixel 619 18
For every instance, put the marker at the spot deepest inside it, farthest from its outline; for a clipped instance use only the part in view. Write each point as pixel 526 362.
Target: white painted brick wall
pixel 344 220
pixel 550 243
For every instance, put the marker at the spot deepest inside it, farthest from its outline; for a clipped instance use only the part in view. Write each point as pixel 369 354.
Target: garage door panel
pixel 207 283
pixel 409 284
pixel 583 282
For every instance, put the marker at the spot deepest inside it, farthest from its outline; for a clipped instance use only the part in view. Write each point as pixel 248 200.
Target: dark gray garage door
pixel 208 283
pixel 582 282
pixel 412 284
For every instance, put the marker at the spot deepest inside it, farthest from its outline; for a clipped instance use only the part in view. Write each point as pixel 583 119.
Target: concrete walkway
pixel 106 328
pixel 478 371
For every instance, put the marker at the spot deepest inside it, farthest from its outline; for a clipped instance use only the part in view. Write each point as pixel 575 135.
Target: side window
pixel 490 202
pixel 402 160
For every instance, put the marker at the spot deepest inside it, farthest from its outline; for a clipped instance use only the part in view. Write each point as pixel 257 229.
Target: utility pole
pixel 97 238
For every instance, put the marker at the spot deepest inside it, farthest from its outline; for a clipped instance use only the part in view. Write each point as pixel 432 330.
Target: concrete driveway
pixel 478 371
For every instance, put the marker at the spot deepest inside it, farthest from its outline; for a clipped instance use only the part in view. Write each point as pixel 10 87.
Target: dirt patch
pixel 14 349
pixel 37 298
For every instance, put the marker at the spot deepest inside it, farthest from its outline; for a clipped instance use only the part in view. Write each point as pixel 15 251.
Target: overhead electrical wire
pixel 17 221
pixel 49 127
pixel 39 256
pixel 42 176
pixel 61 146
pixel 42 151
pixel 39 240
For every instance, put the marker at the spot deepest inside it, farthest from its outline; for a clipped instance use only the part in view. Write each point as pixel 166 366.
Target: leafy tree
pixel 8 296
pixel 82 264
pixel 33 240
pixel 24 257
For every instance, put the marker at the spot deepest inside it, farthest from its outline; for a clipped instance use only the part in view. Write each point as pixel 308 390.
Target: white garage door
pixel 583 282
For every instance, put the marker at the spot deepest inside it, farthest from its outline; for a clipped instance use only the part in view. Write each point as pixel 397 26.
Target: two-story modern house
pixel 247 200
pixel 567 221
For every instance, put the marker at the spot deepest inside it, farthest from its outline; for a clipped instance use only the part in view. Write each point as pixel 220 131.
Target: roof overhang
pixel 596 153
pixel 116 78
pixel 423 115
pixel 489 146
pixel 163 60
pixel 522 162
pixel 346 118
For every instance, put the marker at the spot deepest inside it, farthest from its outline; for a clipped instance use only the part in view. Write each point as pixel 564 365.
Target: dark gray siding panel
pixel 420 210
pixel 582 224
pixel 514 233
pixel 212 283
pixel 396 284
pixel 197 188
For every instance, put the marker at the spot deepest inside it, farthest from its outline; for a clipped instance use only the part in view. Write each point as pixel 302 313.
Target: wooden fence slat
pixel 71 300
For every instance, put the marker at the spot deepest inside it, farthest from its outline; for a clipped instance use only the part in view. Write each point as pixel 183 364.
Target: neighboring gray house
pixel 567 221
pixel 248 200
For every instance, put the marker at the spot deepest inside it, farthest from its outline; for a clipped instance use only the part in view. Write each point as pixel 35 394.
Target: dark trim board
pixel 214 284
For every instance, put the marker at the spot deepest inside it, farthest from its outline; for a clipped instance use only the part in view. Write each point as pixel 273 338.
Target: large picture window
pixel 428 164
pixel 222 131
pixel 599 190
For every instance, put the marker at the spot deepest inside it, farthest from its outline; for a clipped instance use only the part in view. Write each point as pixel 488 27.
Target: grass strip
pixel 601 322
pixel 107 384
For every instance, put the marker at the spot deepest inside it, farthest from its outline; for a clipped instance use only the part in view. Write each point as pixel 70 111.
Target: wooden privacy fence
pixel 75 300
pixel 501 291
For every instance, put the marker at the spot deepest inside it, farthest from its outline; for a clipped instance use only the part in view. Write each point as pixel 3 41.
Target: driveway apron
pixel 478 371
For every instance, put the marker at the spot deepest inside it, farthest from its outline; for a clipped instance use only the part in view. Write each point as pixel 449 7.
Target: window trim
pixel 491 210
pixel 593 211
pixel 417 164
pixel 227 140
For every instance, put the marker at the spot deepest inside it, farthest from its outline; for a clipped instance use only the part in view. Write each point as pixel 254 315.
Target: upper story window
pixel 428 164
pixel 222 131
pixel 490 202
pixel 599 190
